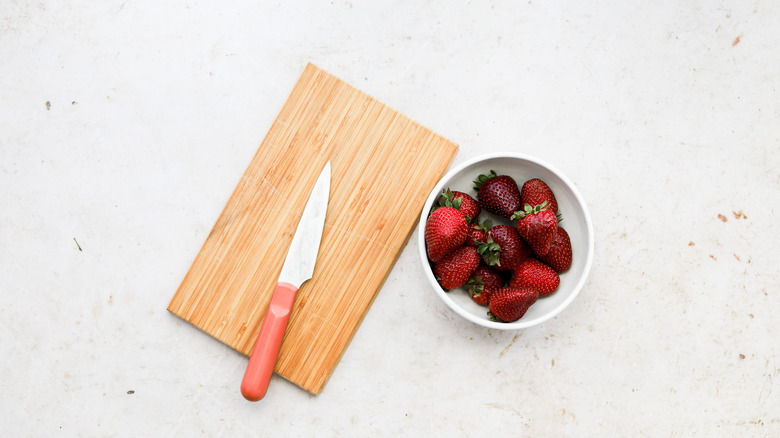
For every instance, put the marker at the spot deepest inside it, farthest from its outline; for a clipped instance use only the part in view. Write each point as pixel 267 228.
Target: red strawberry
pixel 537 226
pixel 445 230
pixel 503 248
pixel 535 192
pixel 510 303
pixel 456 267
pixel 559 256
pixel 476 233
pixel 467 205
pixel 535 275
pixel 483 282
pixel 498 194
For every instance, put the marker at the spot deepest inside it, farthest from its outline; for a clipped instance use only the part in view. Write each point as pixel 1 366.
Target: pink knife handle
pixel 263 358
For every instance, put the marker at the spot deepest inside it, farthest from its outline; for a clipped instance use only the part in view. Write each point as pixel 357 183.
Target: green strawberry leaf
pixel 528 210
pixel 482 178
pixel 490 252
pixel 475 285
pixel 448 199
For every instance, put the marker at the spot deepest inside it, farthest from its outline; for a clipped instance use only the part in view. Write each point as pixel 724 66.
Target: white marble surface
pixel 125 126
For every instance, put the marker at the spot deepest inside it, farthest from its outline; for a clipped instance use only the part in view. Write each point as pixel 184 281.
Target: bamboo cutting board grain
pixel 384 165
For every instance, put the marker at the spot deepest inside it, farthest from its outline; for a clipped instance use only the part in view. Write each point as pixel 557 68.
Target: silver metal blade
pixel 302 255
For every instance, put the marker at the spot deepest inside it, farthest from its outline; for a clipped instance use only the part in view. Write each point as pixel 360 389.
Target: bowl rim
pixel 520 324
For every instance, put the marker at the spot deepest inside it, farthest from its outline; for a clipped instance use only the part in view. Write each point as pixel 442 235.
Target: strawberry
pixel 476 233
pixel 445 230
pixel 535 275
pixel 498 194
pixel 467 205
pixel 456 267
pixel 537 225
pixel 483 282
pixel 535 192
pixel 503 248
pixel 559 256
pixel 510 303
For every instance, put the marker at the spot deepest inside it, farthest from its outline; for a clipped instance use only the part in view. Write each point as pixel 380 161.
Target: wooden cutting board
pixel 384 165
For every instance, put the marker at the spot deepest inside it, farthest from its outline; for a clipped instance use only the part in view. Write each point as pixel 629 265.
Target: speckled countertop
pixel 124 127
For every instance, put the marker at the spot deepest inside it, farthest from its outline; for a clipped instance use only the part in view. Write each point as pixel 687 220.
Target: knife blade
pixel 298 268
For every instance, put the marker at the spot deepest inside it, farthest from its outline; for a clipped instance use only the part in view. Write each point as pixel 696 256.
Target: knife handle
pixel 263 358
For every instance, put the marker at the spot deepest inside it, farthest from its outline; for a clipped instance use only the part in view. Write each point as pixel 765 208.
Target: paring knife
pixel 298 267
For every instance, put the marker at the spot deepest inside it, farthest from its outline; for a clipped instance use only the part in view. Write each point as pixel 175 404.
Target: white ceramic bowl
pixel 575 219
